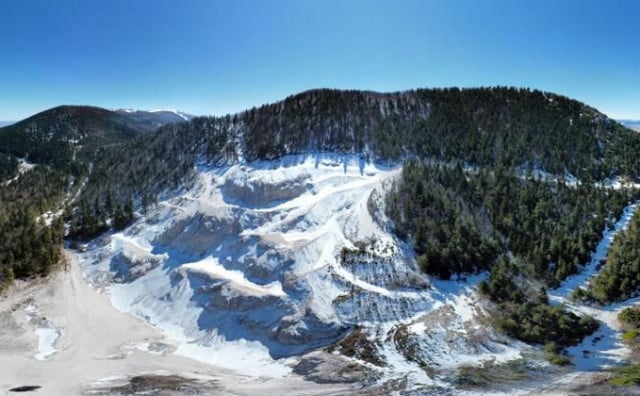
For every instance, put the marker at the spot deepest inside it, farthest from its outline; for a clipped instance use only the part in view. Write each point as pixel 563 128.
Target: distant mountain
pixel 53 135
pixel 633 124
pixel 50 137
pixel 153 119
pixel 5 123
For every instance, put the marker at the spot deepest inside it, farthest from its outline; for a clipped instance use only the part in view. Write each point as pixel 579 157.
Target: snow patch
pixel 211 267
pixel 23 166
pixel 604 348
pixel 47 337
pixel 176 112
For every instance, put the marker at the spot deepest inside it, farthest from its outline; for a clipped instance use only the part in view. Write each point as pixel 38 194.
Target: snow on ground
pixel 46 340
pixel 563 292
pixel 604 348
pixel 23 166
pixel 176 112
pixel 261 262
pixel 51 215
pixel 618 184
pixel 442 336
pixel 537 173
pixel 212 268
pixel 99 347
pixel 246 270
pixel 47 334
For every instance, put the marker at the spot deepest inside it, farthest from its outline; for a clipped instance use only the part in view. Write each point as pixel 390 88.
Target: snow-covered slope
pixel 184 116
pixel 153 119
pixel 604 348
pixel 259 263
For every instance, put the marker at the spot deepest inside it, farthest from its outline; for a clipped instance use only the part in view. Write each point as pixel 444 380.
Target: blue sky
pixel 215 57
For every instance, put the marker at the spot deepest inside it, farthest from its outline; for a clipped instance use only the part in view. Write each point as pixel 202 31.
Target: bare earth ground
pixel 99 349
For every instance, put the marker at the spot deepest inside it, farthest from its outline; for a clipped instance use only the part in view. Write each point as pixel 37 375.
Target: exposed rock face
pixel 263 194
pixel 291 256
pixel 198 234
pixel 127 268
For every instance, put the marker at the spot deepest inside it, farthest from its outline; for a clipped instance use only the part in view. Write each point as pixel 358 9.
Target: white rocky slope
pixel 259 263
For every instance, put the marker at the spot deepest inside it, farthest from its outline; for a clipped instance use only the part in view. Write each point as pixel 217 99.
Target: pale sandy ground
pixel 97 341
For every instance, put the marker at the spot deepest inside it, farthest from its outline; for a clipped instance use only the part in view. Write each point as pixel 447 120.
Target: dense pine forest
pixel 520 228
pixel 28 246
pixel 485 126
pixel 619 278
pixel 8 167
pixel 61 146
pixel 460 221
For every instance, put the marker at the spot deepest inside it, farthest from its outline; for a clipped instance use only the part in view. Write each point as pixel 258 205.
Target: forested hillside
pixel 60 145
pixel 530 234
pixel 8 167
pixel 619 278
pixel 550 227
pixel 486 127
pixel 470 198
pixel 29 247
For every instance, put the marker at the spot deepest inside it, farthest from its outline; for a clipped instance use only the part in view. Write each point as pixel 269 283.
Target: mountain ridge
pixel 387 112
pixel 482 126
pixel 55 135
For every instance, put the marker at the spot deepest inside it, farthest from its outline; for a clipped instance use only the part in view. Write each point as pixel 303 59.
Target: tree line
pixel 522 230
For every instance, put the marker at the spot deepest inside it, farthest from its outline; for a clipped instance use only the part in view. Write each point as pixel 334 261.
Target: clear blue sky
pixel 214 57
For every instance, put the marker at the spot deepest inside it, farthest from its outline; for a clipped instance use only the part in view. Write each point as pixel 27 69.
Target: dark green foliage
pixel 88 222
pixel 552 228
pixel 29 248
pixel 155 163
pixel 460 221
pixel 630 316
pixel 555 354
pixel 526 314
pixel 491 374
pixel 519 228
pixel 626 375
pixel 440 211
pixel 483 126
pixel 60 136
pixel 629 374
pixel 500 285
pixel 487 126
pixel 91 221
pixel 37 190
pixel 123 216
pixel 8 167
pixel 540 323
pixel 63 142
pixel 507 126
pixel 619 278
